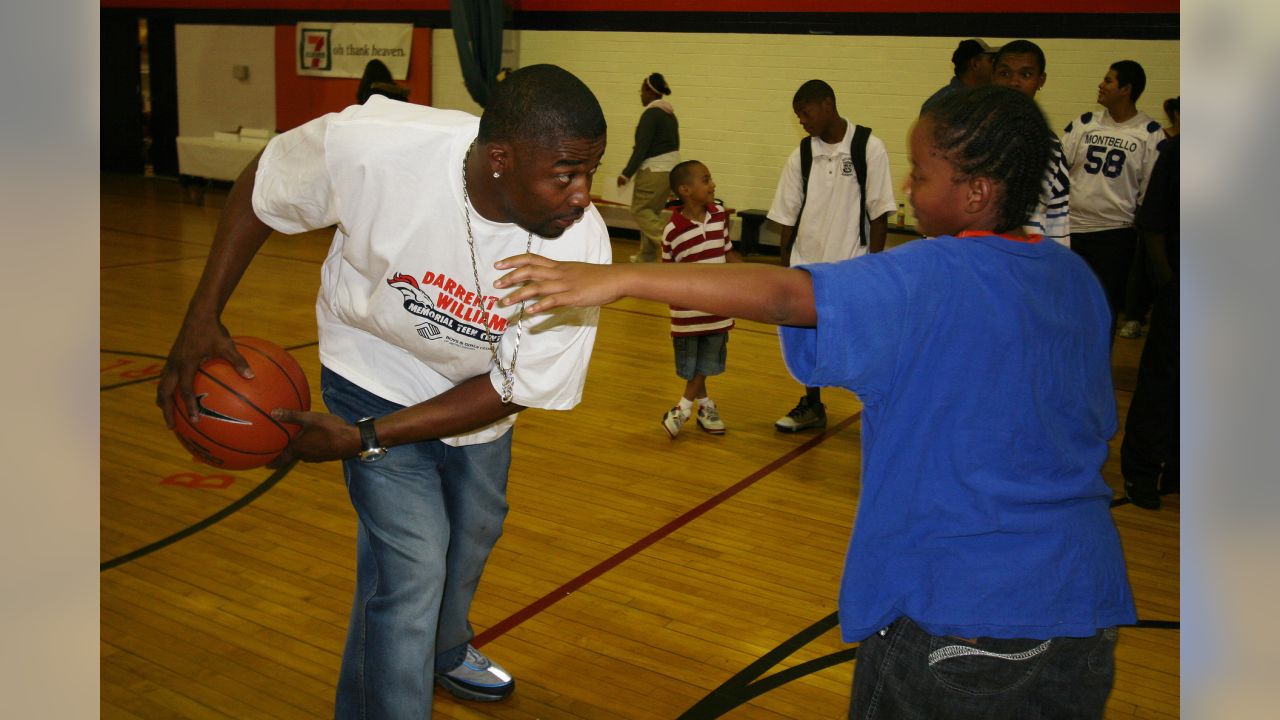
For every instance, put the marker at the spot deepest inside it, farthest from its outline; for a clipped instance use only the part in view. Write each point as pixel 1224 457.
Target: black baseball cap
pixel 969 49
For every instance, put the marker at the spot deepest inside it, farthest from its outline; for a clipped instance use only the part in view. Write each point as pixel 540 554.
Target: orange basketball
pixel 236 430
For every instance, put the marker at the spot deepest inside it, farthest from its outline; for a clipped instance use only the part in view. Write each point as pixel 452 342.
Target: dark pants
pixel 908 674
pixel 1149 453
pixel 1139 291
pixel 1109 254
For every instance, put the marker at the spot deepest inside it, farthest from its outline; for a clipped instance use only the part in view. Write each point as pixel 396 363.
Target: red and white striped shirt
pixel 686 241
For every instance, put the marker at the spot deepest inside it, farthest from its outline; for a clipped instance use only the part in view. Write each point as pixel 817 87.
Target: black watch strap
pixel 370 448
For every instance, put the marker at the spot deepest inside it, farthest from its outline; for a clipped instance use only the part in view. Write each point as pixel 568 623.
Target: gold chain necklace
pixel 508 374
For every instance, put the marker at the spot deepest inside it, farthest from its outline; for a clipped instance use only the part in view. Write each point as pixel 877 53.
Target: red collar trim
pixel 988 233
pixel 683 222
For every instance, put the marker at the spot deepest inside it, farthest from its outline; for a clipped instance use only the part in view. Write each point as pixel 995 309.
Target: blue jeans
pixel 429 514
pixel 700 354
pixel 904 673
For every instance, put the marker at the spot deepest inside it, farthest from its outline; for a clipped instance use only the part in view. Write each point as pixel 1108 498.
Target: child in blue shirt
pixel 984 577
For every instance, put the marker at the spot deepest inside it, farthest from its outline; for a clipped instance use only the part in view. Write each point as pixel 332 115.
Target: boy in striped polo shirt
pixel 697 233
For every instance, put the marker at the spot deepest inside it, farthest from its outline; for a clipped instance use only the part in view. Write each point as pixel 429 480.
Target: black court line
pixel 130 194
pixel 194 243
pixel 146 263
pixel 745 686
pixel 127 383
pixel 153 236
pixel 149 378
pixel 217 517
pixel 212 519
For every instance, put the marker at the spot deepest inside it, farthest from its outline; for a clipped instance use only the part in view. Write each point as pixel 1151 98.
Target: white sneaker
pixel 709 418
pixel 478 678
pixel 1131 330
pixel 674 420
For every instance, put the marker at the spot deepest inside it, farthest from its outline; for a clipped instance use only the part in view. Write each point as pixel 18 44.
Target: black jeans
pixel 904 673
pixel 1149 453
pixel 1109 254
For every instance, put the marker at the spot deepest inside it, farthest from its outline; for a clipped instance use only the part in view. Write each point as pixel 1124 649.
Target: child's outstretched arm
pixel 750 291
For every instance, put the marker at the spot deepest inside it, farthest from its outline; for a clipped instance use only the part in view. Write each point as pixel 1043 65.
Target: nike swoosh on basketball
pixel 206 412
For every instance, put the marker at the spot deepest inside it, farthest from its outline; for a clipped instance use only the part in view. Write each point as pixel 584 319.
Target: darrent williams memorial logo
pixel 454 309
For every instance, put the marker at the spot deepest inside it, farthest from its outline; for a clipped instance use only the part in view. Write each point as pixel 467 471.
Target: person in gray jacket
pixel 656 151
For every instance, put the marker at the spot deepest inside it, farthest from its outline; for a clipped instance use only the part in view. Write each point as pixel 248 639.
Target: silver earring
pixel 496 175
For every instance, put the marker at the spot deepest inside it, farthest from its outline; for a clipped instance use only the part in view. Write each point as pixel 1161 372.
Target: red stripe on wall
pixel 851 6
pixel 713 6
pixel 339 5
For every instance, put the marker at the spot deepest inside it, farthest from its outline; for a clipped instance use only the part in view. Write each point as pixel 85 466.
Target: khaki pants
pixel 648 198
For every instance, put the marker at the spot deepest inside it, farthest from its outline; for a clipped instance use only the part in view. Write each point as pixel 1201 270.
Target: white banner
pixel 343 49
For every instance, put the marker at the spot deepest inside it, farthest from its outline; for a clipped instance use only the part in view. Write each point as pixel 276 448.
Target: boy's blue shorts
pixel 700 354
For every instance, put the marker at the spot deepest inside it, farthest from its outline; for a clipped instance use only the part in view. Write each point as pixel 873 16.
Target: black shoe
pixel 1145 499
pixel 804 416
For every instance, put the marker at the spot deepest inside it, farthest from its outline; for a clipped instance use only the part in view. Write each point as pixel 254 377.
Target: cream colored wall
pixel 733 92
pixel 209 97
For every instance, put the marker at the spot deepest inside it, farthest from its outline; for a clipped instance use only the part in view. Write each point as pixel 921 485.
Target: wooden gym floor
pixel 638 577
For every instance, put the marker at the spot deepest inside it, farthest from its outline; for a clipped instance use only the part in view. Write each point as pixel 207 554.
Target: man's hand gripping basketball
pixel 197 341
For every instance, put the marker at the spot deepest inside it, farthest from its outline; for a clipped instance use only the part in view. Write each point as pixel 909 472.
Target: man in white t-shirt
pixel 421 368
pixel 823 212
pixel 1111 155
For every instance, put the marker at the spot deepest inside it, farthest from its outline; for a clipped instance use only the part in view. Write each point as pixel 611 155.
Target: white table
pixel 216 158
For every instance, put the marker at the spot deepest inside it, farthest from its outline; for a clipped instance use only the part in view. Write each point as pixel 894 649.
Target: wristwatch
pixel 370 449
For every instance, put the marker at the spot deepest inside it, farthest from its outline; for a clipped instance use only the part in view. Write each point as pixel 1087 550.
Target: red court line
pixel 630 551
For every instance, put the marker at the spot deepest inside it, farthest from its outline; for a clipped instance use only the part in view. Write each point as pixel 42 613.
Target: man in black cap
pixel 973 66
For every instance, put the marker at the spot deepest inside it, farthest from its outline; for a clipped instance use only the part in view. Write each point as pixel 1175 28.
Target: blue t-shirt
pixel 983 364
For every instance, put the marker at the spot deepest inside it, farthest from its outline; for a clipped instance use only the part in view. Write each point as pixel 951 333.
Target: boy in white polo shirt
pixel 827 211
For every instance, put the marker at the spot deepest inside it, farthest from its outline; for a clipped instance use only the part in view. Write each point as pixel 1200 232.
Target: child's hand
pixel 557 284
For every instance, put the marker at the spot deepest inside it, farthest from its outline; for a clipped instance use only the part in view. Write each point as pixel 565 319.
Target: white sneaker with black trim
pixel 478 678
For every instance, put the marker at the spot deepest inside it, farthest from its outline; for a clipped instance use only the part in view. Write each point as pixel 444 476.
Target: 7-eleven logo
pixel 313 51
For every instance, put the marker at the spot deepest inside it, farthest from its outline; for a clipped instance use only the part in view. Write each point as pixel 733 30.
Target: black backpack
pixel 858 152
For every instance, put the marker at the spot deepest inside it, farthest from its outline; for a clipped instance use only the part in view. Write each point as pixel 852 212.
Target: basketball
pixel 236 430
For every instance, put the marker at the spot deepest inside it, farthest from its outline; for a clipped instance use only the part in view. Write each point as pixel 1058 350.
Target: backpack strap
pixel 858 152
pixel 806 164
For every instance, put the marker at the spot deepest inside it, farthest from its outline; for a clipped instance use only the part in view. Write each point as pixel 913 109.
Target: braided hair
pixel 998 133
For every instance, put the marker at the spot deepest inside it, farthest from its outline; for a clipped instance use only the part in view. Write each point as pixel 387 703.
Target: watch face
pixel 372 454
